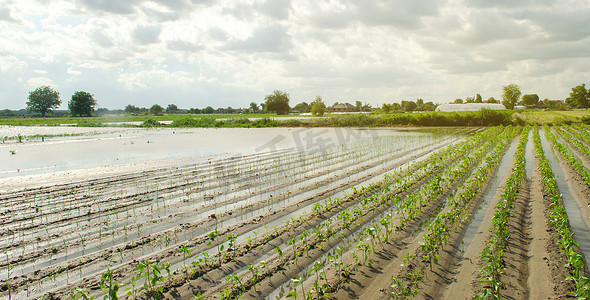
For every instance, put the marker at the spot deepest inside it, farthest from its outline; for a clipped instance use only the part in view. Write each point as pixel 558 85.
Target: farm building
pixel 469 107
pixel 342 107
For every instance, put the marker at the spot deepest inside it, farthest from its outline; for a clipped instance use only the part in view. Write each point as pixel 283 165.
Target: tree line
pixel 511 96
pixel 44 100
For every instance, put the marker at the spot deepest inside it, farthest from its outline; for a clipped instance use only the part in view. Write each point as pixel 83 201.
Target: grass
pixel 90 121
pixel 539 117
pixel 375 119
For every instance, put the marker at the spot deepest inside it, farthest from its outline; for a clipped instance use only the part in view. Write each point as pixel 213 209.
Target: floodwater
pixel 122 149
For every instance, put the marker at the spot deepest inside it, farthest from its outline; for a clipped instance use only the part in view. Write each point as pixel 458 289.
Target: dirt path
pixel 541 283
pixel 516 255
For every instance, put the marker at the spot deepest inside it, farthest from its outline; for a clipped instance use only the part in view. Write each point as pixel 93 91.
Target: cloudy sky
pixel 196 53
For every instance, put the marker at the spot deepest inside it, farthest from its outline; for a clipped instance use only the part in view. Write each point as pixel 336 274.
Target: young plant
pixel 80 294
pixel 151 273
pixel 185 252
pixel 108 286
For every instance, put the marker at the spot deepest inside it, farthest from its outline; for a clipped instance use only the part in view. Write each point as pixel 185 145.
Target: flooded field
pixel 44 150
pixel 287 212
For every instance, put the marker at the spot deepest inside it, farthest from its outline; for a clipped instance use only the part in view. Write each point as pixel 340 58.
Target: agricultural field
pixel 440 213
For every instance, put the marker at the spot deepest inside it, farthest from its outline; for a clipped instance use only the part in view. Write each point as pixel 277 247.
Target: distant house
pixel 469 107
pixel 342 107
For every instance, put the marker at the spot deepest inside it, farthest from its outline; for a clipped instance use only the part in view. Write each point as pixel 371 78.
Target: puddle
pixel 494 188
pixel 579 227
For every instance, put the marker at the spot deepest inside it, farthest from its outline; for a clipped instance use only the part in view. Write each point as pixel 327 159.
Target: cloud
pixel 161 16
pixel 10 63
pixel 273 9
pixel 5 14
pixel 265 39
pixel 148 34
pixel 142 80
pixel 467 65
pixel 402 14
pixel 101 39
pixel 277 9
pixel 110 6
pixel 569 25
pixel 238 51
pixel 488 27
pixel 179 45
pixel 218 34
pixel 507 4
pixel 35 82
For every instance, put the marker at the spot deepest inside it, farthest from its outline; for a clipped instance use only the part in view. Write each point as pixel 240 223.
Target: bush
pixel 265 122
pixel 361 120
pixel 150 123
pixel 495 117
pixel 192 122
pixel 86 123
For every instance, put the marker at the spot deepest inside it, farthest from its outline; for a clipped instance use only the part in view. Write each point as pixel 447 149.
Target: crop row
pixel 574 138
pixel 141 241
pixel 564 151
pixel 581 131
pixel 378 226
pixel 558 218
pixel 445 223
pixel 493 253
pixel 345 222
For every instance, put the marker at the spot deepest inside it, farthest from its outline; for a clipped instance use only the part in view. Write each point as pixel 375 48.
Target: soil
pixel 272 215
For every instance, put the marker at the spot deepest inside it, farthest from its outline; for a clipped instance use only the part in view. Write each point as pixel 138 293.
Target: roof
pixel 469 107
pixel 344 105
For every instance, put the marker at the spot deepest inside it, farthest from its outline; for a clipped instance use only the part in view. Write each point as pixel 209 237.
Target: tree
pixel 358 106
pixel 469 100
pixel 478 98
pixel 458 101
pixel 579 97
pixel 530 99
pixel 302 107
pixel 278 102
pixel 419 102
pixel 7 113
pixel 366 107
pixel 82 104
pixel 131 109
pixel 208 110
pixel 428 106
pixel 171 109
pixel 386 107
pixel 554 105
pixel 43 100
pixel 492 100
pixel 318 107
pixel 409 105
pixel 254 107
pixel 510 95
pixel 156 109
